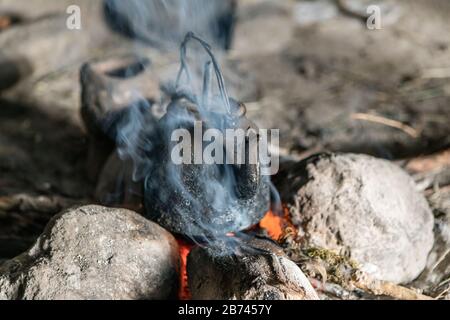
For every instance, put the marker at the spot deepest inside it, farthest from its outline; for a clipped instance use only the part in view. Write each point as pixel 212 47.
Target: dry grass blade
pixel 387 122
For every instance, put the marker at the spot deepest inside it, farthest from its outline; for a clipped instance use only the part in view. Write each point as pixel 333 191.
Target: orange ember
pixel 184 248
pixel 275 224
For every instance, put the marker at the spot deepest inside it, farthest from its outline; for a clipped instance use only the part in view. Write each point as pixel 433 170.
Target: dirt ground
pixel 331 84
pixel 317 78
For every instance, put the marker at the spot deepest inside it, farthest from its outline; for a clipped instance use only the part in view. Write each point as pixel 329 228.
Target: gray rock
pixel 255 270
pixel 94 252
pixel 365 207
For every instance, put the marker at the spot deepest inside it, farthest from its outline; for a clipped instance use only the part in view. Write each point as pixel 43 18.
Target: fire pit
pixel 207 203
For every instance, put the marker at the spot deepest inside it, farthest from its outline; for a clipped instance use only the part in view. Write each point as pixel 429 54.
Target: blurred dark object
pixel 12 71
pixel 7 20
pixel 109 89
pixel 159 21
pixel 251 269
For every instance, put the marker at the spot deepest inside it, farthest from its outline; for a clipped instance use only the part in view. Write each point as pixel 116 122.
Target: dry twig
pixel 387 122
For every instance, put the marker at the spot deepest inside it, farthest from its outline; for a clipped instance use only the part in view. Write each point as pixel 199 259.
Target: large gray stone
pixel 365 207
pixel 94 252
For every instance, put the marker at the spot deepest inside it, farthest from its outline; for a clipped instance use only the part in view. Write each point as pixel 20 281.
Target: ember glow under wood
pixel 256 269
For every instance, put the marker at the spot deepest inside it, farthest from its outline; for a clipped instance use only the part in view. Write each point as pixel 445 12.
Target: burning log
pixel 254 270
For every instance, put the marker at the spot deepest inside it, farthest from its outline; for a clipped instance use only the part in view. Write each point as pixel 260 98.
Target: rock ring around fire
pixel 366 207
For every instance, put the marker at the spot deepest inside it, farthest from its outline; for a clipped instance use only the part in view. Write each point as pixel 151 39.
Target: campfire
pixel 178 197
pixel 197 166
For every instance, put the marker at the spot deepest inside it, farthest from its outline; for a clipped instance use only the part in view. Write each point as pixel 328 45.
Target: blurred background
pixel 312 69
